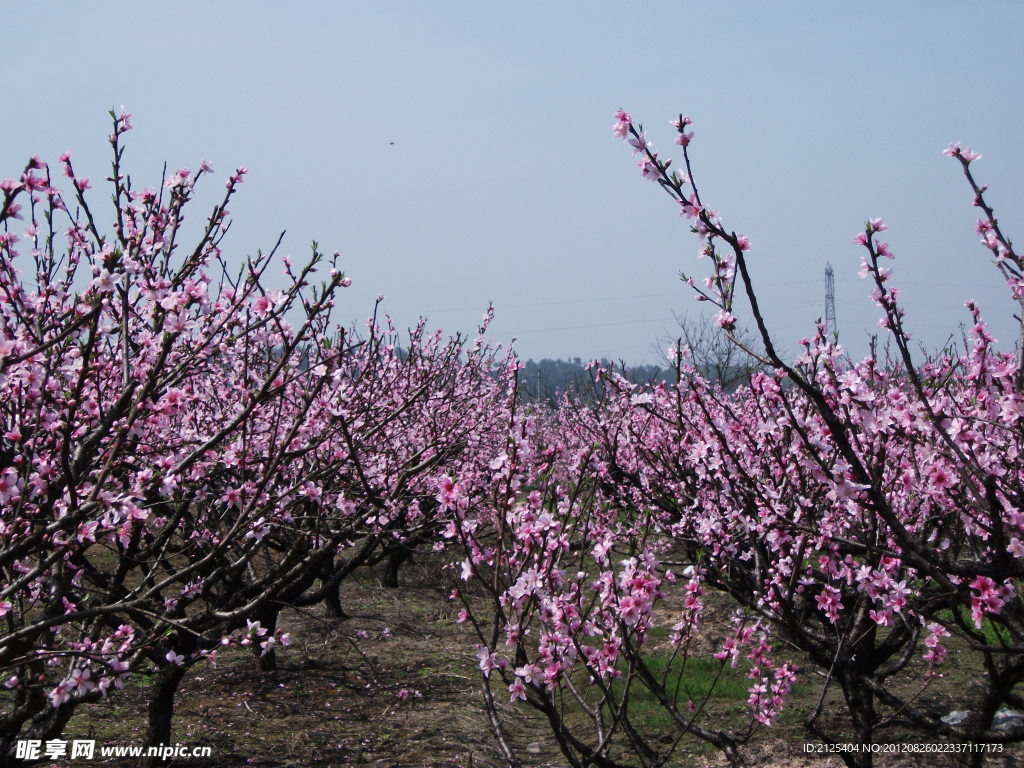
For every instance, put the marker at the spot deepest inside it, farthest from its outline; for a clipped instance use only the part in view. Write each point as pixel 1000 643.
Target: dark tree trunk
pixel 161 700
pixel 861 703
pixel 332 606
pixel 332 600
pixel 398 558
pixel 48 724
pixel 161 711
pixel 267 617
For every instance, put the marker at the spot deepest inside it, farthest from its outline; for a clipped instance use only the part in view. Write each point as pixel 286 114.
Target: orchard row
pixel 189 447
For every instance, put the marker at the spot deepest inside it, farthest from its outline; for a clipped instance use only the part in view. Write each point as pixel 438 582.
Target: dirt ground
pixel 395 684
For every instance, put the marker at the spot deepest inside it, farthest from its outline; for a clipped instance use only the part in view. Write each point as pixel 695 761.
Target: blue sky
pixel 504 183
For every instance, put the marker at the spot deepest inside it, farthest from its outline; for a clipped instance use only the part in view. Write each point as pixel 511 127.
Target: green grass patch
pixel 719 691
pixel 994 633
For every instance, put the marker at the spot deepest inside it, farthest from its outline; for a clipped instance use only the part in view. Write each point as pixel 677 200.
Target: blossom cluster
pixel 188 446
pixel 860 515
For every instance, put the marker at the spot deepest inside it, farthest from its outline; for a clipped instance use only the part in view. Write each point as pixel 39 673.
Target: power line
pixel 499 306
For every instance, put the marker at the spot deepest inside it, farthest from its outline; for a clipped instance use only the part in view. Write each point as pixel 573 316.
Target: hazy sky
pixel 504 183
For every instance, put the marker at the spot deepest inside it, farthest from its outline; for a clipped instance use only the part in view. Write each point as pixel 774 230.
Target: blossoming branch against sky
pixel 458 153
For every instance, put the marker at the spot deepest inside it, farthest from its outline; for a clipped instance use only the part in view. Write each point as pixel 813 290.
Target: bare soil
pixel 337 698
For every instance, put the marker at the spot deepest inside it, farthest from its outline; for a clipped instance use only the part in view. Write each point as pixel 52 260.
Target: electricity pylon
pixel 830 301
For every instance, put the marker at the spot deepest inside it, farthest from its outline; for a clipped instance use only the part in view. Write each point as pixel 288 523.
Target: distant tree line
pixel 547 380
pixel 704 347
